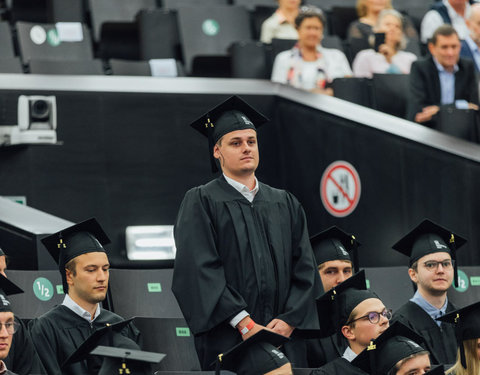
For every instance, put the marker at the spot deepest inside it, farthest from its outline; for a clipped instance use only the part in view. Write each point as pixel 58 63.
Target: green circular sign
pixel 52 37
pixel 43 289
pixel 462 282
pixel 210 27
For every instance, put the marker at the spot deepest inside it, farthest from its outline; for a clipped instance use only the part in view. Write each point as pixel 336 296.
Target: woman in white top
pixel 389 58
pixel 308 65
pixel 281 24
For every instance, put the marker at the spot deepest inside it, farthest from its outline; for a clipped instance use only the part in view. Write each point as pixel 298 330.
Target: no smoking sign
pixel 340 188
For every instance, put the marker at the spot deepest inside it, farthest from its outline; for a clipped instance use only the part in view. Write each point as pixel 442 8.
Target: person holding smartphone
pixel 387 56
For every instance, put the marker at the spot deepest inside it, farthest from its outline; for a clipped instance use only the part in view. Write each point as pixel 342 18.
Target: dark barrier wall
pixel 128 158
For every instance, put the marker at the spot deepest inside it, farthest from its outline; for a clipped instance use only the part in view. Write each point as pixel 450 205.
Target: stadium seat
pixel 7 51
pixel 461 123
pixel 175 4
pixel 11 65
pixel 354 90
pixel 211 30
pixel 280 45
pixel 138 68
pixel 172 337
pixel 249 60
pixel 115 11
pixel 46 43
pixel 251 4
pixel 328 4
pixel 158 34
pixel 28 11
pixel 76 67
pixel 119 40
pixel 66 11
pixel 390 92
pixel 340 19
pixel 257 16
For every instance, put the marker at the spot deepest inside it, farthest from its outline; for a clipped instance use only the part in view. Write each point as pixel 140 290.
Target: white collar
pixel 349 354
pixel 79 310
pixel 241 187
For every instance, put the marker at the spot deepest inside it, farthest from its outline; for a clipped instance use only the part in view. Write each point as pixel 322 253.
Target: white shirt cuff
pixel 237 318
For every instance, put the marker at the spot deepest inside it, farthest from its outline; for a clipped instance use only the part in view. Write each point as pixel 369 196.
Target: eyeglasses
pixel 310 9
pixel 11 327
pixel 432 265
pixel 374 317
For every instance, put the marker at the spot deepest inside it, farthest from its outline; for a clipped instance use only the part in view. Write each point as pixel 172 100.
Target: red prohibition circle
pixel 327 176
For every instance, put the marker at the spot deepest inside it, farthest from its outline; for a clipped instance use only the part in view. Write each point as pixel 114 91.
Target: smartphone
pixel 379 40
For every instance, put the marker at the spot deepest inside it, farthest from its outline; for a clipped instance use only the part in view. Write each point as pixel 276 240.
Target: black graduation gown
pixel 59 332
pixel 439 341
pixel 234 255
pixel 22 357
pixel 339 366
pixel 324 350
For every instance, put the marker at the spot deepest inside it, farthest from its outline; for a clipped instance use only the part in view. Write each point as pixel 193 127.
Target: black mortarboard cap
pixel 335 306
pixel 428 238
pixel 436 370
pixel 126 361
pixel 335 244
pixel 230 115
pixel 110 335
pixel 7 288
pixel 467 325
pixel 384 352
pixel 258 354
pixel 85 237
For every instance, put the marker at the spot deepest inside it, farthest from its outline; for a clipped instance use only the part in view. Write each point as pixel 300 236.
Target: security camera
pixel 37 112
pixel 37 122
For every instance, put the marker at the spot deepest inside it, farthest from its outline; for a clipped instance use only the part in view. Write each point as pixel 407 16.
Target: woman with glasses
pixel 281 24
pixel 432 250
pixel 355 313
pixel 308 65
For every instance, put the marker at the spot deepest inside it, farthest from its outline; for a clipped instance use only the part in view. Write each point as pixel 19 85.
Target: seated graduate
pixel 84 266
pixel 259 354
pixel 397 351
pixel 432 251
pixel 467 328
pixel 8 324
pixel 332 249
pixel 357 314
pixel 22 357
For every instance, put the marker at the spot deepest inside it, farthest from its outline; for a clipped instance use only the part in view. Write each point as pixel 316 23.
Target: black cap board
pixel 384 352
pixel 104 333
pixel 7 288
pixel 467 325
pixel 335 244
pixel 85 237
pixel 258 354
pixel 126 361
pixel 231 115
pixel 436 370
pixel 428 238
pixel 335 306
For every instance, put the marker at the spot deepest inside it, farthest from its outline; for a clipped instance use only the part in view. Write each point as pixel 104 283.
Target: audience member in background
pixel 308 65
pixel 281 24
pixel 432 252
pixel 22 357
pixel 471 43
pixel 389 57
pixel 360 32
pixel 441 79
pixel 332 249
pixel 467 327
pixel 451 12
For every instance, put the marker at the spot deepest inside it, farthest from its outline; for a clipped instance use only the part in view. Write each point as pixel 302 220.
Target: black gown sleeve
pixel 199 283
pixel 45 344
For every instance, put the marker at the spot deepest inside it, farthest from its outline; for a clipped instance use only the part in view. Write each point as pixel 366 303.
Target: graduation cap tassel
pixel 336 311
pixel 453 247
pixel 218 365
pixel 209 126
pixel 371 356
pixel 355 254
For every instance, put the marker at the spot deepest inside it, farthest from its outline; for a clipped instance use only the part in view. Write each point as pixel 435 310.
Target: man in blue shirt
pixel 432 252
pixel 441 79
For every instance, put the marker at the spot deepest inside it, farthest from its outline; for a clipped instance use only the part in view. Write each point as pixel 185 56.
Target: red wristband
pixel 247 328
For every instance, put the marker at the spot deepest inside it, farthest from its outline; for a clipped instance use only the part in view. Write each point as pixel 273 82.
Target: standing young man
pixel 432 252
pixel 84 266
pixel 244 260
